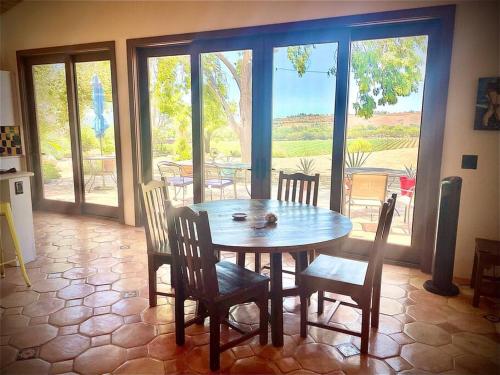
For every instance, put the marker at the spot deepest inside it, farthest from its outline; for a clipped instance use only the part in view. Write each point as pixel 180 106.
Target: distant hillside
pixel 378 119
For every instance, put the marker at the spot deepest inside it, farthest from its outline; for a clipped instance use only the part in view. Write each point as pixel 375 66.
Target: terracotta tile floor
pixel 87 312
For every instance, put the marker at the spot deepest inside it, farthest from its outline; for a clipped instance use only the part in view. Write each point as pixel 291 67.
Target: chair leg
pixel 263 318
pixel 375 309
pixel 303 313
pixel 201 311
pixel 152 280
pixel 179 317
pixel 17 245
pixel 300 265
pixel 474 270
pixel 2 265
pixel 477 284
pixel 321 301
pixel 214 341
pixel 365 328
pixel 257 262
pixel 240 259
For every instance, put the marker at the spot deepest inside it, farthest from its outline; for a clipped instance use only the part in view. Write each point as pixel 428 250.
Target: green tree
pixel 383 69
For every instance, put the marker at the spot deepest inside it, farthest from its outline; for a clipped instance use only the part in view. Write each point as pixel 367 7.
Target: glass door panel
pixel 383 130
pixel 227 123
pixel 304 82
pixel 54 138
pixel 171 124
pixel 97 137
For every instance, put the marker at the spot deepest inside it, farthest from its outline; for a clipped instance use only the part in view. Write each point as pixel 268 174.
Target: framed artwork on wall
pixel 488 104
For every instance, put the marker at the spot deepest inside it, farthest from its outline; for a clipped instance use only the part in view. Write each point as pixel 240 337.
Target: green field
pixel 307 148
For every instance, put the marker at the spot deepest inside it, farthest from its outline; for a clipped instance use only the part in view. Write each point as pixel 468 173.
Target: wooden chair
pixel 367 190
pixel 215 285
pixel 357 279
pixel 487 256
pixel 295 187
pixel 154 194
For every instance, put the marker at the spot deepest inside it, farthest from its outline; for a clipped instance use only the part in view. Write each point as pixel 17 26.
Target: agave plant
pixel 306 165
pixel 358 153
pixel 410 171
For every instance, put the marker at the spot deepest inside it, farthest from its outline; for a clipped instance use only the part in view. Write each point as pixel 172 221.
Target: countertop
pixel 18 174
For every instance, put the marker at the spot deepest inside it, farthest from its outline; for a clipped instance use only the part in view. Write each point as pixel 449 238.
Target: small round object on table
pixel 239 216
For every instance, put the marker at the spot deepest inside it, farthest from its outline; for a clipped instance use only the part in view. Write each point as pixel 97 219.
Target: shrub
pixel 50 171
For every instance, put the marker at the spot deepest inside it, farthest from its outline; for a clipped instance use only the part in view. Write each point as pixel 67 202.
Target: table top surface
pixel 300 227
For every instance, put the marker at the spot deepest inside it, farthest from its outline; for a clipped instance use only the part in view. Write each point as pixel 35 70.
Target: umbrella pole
pixel 102 166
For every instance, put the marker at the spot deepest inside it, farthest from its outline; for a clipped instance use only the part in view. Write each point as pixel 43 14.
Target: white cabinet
pixel 22 212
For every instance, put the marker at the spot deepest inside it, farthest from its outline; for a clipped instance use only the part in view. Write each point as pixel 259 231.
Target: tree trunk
pixel 245 132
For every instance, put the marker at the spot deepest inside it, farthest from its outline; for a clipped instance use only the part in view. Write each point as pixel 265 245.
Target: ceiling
pixel 5 5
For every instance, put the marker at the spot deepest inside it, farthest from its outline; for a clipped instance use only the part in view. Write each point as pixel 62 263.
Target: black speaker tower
pixel 444 253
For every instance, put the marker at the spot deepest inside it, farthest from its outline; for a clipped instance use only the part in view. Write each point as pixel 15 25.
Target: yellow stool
pixel 6 211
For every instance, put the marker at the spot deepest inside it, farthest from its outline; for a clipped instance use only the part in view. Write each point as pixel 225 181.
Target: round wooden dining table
pixel 299 228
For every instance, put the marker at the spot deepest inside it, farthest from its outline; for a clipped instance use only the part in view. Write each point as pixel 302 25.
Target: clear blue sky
pixel 314 92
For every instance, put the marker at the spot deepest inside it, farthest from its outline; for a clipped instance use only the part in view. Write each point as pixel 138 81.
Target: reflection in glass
pixel 383 130
pixel 227 123
pixel 170 116
pixel 303 113
pixel 95 110
pixel 51 106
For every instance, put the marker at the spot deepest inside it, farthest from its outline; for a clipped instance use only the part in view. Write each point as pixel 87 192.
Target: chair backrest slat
pixel 192 250
pixel 307 191
pixel 154 194
pixel 376 258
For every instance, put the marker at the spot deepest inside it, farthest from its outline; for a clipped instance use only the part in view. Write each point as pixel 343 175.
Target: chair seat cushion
pixel 366 202
pixel 179 181
pixel 233 278
pixel 217 183
pixel 342 270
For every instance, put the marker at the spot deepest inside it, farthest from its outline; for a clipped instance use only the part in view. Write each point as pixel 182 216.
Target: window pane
pixel 227 123
pixel 170 115
pixel 383 130
pixel 95 109
pixel 304 85
pixel 51 106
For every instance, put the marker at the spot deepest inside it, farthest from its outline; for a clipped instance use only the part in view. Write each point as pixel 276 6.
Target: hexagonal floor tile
pixel 79 273
pixel 380 345
pixel 104 298
pixel 159 315
pixel 363 365
pixel 164 347
pixel 49 285
pixel 75 291
pixel 18 299
pixel 103 278
pixel 12 324
pixel 425 313
pixel 56 267
pixel 475 364
pixel 141 366
pixel 426 358
pixel 318 357
pixel 100 360
pixel 43 307
pixel 254 365
pixel 198 359
pixel 28 367
pixel 426 333
pixel 472 323
pixel 34 336
pixel 131 335
pixel 130 306
pixel 477 344
pixel 132 283
pixel 63 348
pixel 8 355
pixel 70 315
pixel 127 267
pixel 101 324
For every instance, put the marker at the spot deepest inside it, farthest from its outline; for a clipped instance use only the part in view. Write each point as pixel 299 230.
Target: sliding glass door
pixel 355 102
pixel 74 133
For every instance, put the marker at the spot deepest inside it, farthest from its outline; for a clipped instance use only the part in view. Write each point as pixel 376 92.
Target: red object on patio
pixel 407 184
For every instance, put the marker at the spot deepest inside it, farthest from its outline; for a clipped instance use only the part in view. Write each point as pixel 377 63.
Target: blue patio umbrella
pixel 100 124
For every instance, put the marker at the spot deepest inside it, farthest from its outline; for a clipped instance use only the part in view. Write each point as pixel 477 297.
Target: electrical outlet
pixel 469 161
pixel 18 187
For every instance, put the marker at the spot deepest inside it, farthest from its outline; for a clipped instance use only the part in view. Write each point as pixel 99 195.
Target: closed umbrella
pixel 100 124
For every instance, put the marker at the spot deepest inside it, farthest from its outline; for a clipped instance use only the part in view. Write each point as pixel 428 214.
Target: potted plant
pixel 407 183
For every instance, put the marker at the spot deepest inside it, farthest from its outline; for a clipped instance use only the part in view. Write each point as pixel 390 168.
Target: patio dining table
pixel 299 228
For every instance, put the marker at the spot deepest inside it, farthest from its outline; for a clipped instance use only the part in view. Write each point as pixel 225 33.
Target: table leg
pixel 276 300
